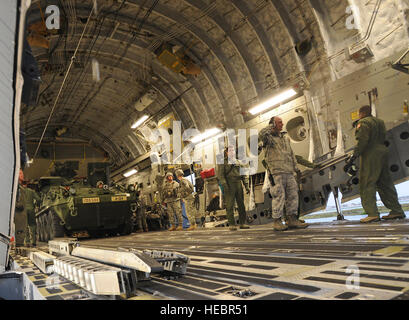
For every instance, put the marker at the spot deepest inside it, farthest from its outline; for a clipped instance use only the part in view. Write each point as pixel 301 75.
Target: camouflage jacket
pixel 230 173
pixel 29 196
pixel 279 155
pixel 186 188
pixel 142 200
pixel 370 135
pixel 170 191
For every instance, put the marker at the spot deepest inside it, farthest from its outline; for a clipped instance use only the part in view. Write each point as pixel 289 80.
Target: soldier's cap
pixel 169 174
pixel 179 172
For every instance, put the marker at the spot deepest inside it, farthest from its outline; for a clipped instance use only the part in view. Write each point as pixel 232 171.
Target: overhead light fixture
pixel 139 122
pixel 273 101
pixel 206 135
pixel 210 140
pixel 130 173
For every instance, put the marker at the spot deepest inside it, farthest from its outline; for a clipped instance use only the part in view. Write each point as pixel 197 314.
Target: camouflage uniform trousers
pixel 374 176
pixel 191 212
pixel 174 210
pixel 285 194
pixel 234 193
pixel 141 219
pixel 31 230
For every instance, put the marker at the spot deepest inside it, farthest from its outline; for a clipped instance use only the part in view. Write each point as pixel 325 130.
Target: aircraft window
pixel 192 179
pixel 394 168
pixel 407 163
pixel 306 199
pixel 387 143
pixel 321 172
pixel 404 135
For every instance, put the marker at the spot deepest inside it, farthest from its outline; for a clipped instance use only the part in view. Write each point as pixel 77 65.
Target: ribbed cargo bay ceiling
pixel 236 53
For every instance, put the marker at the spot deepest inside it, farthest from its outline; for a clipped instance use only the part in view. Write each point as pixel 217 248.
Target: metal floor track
pixel 338 260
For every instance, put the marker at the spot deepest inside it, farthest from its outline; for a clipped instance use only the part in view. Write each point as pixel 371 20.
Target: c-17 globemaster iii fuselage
pixel 322 138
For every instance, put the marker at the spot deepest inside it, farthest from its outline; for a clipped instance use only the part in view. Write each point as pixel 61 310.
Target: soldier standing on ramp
pixel 20 214
pixel 141 212
pixel 171 196
pixel 230 179
pixel 374 170
pixel 282 167
pixel 26 199
pixel 186 193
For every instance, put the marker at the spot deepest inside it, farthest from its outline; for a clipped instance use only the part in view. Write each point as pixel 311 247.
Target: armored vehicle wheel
pixel 56 230
pixel 39 235
pixel 39 229
pixel 45 227
pixel 42 228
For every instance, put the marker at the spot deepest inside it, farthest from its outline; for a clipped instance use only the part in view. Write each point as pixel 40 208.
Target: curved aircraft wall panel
pixel 389 33
pixel 8 14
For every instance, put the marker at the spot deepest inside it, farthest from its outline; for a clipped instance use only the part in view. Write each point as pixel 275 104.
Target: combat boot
pixel 293 222
pixel 191 228
pixel 286 221
pixel 203 221
pixel 370 219
pixel 172 228
pixel 179 228
pixel 394 215
pixel 278 225
pixel 244 226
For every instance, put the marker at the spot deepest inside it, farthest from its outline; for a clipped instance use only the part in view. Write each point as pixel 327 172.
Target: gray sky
pixel 402 189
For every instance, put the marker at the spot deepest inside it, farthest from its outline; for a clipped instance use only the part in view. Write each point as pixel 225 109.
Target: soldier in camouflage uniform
pixel 186 194
pixel 141 212
pixel 31 234
pixel 171 196
pixel 281 165
pixel 26 199
pixel 231 181
pixel 374 170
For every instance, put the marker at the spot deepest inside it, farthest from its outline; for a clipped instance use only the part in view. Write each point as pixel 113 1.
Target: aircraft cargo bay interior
pixel 230 150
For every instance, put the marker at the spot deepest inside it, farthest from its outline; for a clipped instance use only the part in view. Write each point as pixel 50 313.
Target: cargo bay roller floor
pixel 341 260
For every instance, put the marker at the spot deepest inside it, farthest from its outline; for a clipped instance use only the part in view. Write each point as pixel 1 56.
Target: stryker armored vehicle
pixel 83 207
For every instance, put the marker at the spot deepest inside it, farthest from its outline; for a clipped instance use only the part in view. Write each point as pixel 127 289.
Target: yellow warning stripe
pixel 297 271
pixel 389 250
